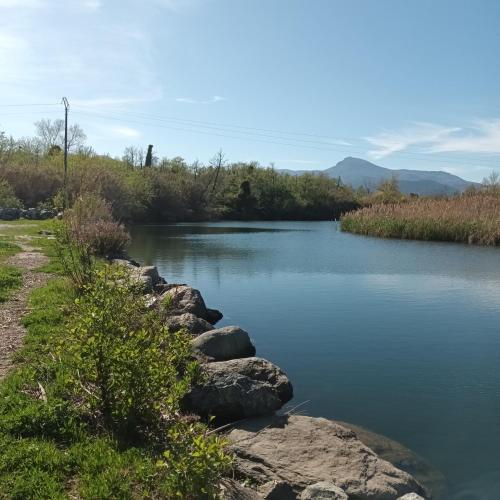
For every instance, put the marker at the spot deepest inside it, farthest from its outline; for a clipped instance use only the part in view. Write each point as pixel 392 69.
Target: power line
pixel 27 105
pixel 230 128
pixel 250 137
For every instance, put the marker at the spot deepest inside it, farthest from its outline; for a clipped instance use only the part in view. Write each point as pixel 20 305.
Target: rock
pixel 184 299
pixel 411 496
pixel 277 490
pixel 232 390
pixel 125 262
pixel 232 490
pixel 214 316
pixel 10 213
pixel 302 450
pixel 324 490
pixel 193 324
pixel 146 276
pixel 433 481
pixel 229 342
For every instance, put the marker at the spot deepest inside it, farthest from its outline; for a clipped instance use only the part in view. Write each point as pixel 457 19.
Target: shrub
pixel 91 225
pixel 132 373
pixel 8 198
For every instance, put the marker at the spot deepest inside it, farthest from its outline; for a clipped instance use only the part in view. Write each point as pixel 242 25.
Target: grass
pixel 10 277
pixel 47 451
pixel 472 219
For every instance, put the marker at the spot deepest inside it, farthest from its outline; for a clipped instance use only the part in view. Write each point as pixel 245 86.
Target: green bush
pixel 8 198
pixel 132 372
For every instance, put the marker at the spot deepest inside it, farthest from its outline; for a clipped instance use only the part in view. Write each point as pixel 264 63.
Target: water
pixel 400 337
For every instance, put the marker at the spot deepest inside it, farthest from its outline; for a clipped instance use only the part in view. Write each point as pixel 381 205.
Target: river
pixel 400 337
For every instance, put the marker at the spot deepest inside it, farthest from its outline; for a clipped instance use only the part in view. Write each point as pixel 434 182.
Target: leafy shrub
pixel 132 373
pixel 8 198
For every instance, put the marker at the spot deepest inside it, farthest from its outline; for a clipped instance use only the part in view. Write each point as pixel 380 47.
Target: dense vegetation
pixel 471 218
pixel 144 188
pixel 93 409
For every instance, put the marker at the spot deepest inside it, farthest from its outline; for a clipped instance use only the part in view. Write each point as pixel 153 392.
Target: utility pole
pixel 65 182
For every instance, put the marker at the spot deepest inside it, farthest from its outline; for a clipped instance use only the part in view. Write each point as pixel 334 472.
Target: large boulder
pixel 324 490
pixel 433 480
pixel 10 213
pixel 225 343
pixel 182 299
pixel 193 324
pixel 239 388
pixel 303 451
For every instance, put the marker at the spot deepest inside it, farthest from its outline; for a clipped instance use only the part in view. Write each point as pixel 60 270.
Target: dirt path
pixel 13 310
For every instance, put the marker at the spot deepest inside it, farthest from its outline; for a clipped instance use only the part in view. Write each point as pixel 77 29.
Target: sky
pixel 297 84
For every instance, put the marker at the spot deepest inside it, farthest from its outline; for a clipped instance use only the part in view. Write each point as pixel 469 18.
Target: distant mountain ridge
pixel 362 173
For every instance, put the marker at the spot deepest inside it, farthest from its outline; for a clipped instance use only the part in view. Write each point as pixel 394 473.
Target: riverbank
pixel 472 219
pixel 269 390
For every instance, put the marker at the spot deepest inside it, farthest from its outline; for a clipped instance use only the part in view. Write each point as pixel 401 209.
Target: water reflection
pixel 399 337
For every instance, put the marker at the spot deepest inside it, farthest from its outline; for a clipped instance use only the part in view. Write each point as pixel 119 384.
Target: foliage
pixel 473 218
pixel 120 348
pixel 8 198
pixel 170 189
pixel 55 441
pixel 88 231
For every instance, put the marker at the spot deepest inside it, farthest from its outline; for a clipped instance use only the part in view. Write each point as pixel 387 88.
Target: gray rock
pixel 229 395
pixel 324 490
pixel 10 213
pixel 229 342
pixel 214 316
pixel 303 450
pixel 433 481
pixel 190 322
pixel 411 496
pixel 184 299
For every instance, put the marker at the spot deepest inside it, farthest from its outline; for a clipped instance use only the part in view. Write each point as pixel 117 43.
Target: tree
pixel 217 162
pixel 51 133
pixel 492 183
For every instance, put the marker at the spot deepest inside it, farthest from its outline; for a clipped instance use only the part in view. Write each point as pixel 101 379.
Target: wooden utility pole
pixel 65 182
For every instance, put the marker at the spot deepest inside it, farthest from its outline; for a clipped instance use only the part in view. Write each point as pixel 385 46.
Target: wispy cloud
pixel 190 100
pixel 127 132
pixel 481 136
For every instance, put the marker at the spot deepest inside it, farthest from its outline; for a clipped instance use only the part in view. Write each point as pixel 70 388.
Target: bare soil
pixel 12 311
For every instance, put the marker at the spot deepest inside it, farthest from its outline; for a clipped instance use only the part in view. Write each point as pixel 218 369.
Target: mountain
pixel 362 173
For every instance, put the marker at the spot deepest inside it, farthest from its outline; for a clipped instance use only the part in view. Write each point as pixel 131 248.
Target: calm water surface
pixel 400 337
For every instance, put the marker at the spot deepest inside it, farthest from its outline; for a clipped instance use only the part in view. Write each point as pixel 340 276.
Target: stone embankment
pixel 283 457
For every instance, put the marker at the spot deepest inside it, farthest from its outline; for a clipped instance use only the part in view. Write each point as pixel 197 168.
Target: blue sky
pixel 302 84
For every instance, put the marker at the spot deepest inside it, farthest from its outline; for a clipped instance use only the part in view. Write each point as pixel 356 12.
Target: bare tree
pixel 133 156
pixel 217 162
pixel 51 133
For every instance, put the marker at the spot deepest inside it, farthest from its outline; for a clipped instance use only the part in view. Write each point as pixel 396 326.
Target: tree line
pixel 140 186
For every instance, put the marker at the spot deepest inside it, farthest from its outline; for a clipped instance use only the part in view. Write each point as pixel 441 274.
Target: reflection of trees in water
pixel 175 247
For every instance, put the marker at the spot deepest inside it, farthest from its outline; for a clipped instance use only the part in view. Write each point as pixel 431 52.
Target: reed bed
pixel 463 219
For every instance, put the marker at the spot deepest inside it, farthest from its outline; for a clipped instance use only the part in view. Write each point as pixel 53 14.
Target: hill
pixel 362 173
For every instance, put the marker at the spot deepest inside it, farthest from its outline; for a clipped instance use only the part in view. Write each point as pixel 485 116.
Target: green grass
pixel 10 277
pixel 48 451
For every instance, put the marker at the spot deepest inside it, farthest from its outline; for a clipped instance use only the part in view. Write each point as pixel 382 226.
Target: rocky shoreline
pixel 278 456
